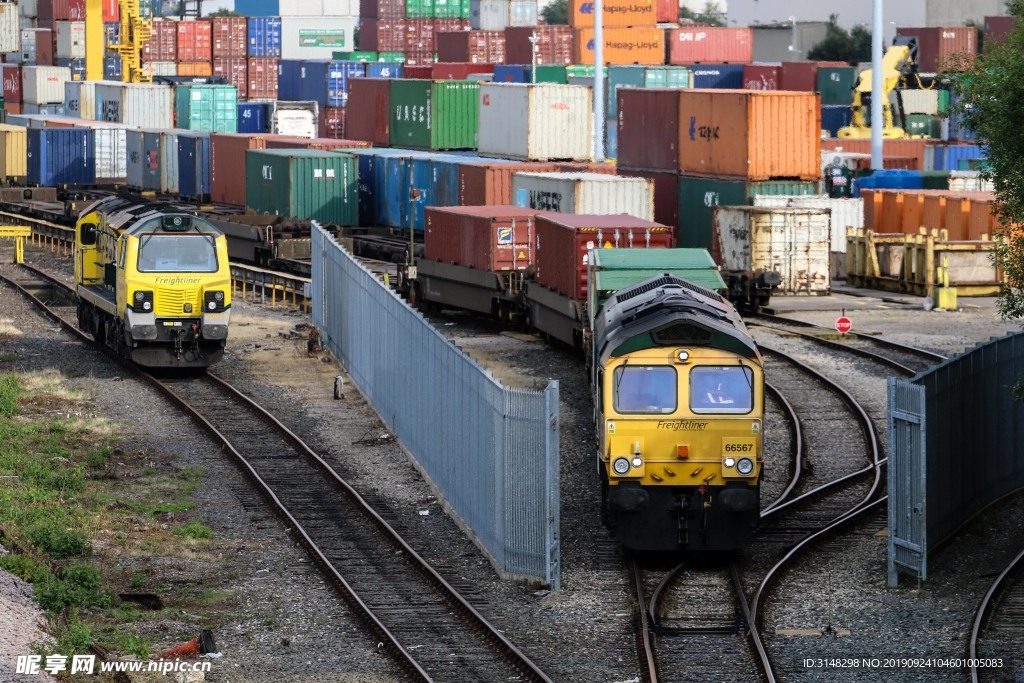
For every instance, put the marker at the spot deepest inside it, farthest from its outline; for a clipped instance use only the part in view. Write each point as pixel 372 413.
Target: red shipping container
pixel 235 71
pixel 61 10
pixel 419 36
pixel 382 9
pixel 491 238
pixel 230 37
pixel 44 48
pixel 162 46
pixel 332 123
pixel 471 46
pixel 703 44
pixel 996 29
pixel 666 195
pixel 195 41
pixel 12 107
pixel 371 119
pixel 282 142
pixel 799 76
pixel 227 157
pixel 902 149
pixel 554 44
pixel 566 239
pixel 111 10
pixel 584 167
pixel 939 48
pixel 482 183
pixel 416 66
pixel 641 113
pixel 446 71
pixel 12 83
pixel 262 83
pixel 382 35
pixel 667 11
pixel 761 76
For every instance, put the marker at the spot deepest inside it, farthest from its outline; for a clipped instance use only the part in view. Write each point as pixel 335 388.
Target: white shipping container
pixel 920 101
pixel 496 15
pixel 71 39
pixel 142 105
pixel 845 213
pixel 44 84
pixel 80 99
pixel 317 8
pixel 586 193
pixel 28 8
pixel 296 119
pixel 10 28
pixel 111 150
pixel 169 161
pixel 27 55
pixel 161 68
pixel 25 23
pixel 336 8
pixel 302 38
pixel 969 181
pixel 791 242
pixel 536 122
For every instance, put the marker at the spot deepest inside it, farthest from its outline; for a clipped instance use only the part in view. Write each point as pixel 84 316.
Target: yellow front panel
pixel 170 301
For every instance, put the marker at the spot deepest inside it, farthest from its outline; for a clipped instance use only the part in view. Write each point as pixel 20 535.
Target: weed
pixel 25 567
pixel 74 639
pixel 81 586
pixel 194 530
pixel 96 458
pixel 53 537
pixel 10 392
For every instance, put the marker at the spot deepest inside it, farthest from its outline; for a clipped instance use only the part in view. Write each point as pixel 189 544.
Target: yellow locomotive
pixel 153 283
pixel 679 395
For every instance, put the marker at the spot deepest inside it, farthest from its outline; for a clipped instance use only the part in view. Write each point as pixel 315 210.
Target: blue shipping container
pixel 111 33
pixel 611 138
pixel 326 81
pixel 289 80
pixel 264 36
pixel 949 157
pixel 61 156
pixel 511 73
pixel 112 67
pixel 254 117
pixel 717 75
pixel 194 165
pixel 384 69
pixel 258 8
pixel 892 179
pixel 834 117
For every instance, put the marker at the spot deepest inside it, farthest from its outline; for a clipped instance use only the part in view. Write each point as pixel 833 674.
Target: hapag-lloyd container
pixel 44 84
pixel 194 165
pixel 206 107
pixel 554 45
pixel 939 48
pixel 13 151
pixel 490 183
pixel 494 238
pixel 587 193
pixel 230 37
pixel 791 242
pixel 61 156
pixel 371 120
pixel 617 13
pixel 12 82
pixel 141 105
pixel 638 45
pixel 844 213
pixel 434 114
pixel 761 76
pixel 750 134
pixel 111 147
pixel 308 183
pixel 565 240
pixel 541 122
pixel 710 44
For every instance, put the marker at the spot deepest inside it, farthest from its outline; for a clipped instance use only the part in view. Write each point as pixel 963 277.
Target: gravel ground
pixel 583 632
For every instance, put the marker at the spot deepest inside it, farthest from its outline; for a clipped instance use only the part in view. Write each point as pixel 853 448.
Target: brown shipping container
pixel 668 11
pixel 448 71
pixel 648 121
pixel 554 45
pixel 195 41
pixel 12 83
pixel 761 76
pixel 417 69
pixel 419 35
pixel 162 46
pixel 487 47
pixel 750 134
pixel 584 167
pixel 236 71
pixel 12 107
pixel 61 10
pixel 666 194
pixel 622 46
pixel 371 119
pixel 262 74
pixel 890 148
pixel 382 9
pixel 195 69
pixel 482 183
pixel 710 44
pixel 493 238
pixel 958 217
pixel 565 239
pixel 996 29
pixel 982 221
pixel 798 76
pixel 282 142
pixel 382 35
pixel 44 48
pixel 617 13
pixel 227 157
pixel 230 37
pixel 939 48
pixel 332 123
pixel 872 207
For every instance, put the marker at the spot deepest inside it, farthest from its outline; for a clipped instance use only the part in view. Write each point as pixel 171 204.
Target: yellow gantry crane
pixel 136 29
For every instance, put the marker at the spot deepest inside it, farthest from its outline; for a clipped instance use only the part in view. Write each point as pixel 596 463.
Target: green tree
pixel 712 14
pixel 224 12
pixel 840 45
pixel 556 13
pixel 991 96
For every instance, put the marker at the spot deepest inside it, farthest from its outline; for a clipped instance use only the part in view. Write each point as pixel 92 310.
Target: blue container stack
pixel 264 36
pixel 194 165
pixel 61 156
pixel 727 76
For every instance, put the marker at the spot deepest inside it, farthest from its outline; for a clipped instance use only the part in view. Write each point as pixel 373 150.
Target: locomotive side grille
pixel 171 301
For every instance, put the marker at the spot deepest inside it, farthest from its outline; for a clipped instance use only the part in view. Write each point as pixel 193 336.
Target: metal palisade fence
pixel 491 451
pixel 956 445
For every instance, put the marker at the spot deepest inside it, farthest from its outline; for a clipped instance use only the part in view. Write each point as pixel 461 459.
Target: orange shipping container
pixel 872 207
pixel 617 13
pixel 913 203
pixel 195 41
pixel 982 219
pixel 753 134
pixel 195 69
pixel 621 46
pixel 891 219
pixel 958 217
pixel 933 213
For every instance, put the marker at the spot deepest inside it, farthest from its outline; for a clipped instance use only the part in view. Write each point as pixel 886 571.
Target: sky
pixel 214 5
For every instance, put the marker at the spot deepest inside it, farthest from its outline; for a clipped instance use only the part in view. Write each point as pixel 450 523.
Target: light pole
pixel 876 87
pixel 599 80
pixel 534 41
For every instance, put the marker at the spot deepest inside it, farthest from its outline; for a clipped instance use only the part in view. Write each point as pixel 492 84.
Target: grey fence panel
pixel 491 451
pixel 907 476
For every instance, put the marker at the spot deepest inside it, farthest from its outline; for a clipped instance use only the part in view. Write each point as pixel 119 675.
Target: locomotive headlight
pixel 729 462
pixel 140 295
pixel 745 466
pixel 218 296
pixel 147 306
pixel 213 305
pixel 621 466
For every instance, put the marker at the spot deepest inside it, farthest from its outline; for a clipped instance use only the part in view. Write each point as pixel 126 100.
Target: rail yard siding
pixel 791 242
pixel 584 193
pixel 617 13
pixel 135 104
pixel 434 114
pixel 710 44
pixel 621 46
pixel 482 183
pixel 306 183
pixel 61 156
pixel 495 238
pixel 541 122
pixel 567 239
pixel 371 120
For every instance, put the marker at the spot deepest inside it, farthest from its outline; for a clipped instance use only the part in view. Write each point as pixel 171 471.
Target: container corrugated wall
pixel 845 213
pixel 209 108
pixel 791 242
pixel 135 104
pixel 44 84
pixel 303 182
pixel 168 161
pixel 80 99
pixel 10 30
pixel 194 165
pixel 61 156
pixel 536 122
pixel 13 151
pixel 111 151
pixel 584 193
pixel 434 114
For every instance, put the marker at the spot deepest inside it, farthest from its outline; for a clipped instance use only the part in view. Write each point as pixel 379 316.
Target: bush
pixel 52 537
pixel 81 587
pixel 9 393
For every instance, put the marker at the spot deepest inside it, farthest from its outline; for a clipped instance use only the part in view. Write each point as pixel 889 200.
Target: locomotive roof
pixel 125 209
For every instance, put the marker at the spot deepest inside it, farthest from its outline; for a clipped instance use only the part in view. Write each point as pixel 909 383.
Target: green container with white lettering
pixel 303 183
pixel 434 114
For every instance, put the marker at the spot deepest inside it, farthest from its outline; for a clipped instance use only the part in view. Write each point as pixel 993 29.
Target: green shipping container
pixel 357 56
pixel 434 114
pixel 303 183
pixel 698 195
pixel 943 103
pixel 393 57
pixel 582 71
pixel 835 83
pixel 447 9
pixel 622 77
pixel 419 9
pixel 206 108
pixel 935 180
pixel 552 73
pixel 667 77
pixel 924 125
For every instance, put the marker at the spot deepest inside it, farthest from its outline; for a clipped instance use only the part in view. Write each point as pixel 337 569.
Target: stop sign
pixel 843 325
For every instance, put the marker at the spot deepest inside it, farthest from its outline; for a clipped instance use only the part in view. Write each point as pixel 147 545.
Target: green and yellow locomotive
pixel 153 283
pixel 679 396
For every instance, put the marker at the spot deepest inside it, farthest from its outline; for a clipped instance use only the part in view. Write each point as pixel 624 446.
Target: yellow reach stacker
pixel 135 31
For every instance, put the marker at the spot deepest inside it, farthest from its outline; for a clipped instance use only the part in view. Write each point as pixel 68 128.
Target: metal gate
pixel 908 542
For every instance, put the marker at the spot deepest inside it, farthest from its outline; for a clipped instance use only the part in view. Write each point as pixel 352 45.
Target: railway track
pixel 424 622
pixel 998 623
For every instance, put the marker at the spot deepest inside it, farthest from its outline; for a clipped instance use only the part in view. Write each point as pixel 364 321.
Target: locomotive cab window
pixel 721 389
pixel 645 389
pixel 177 253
